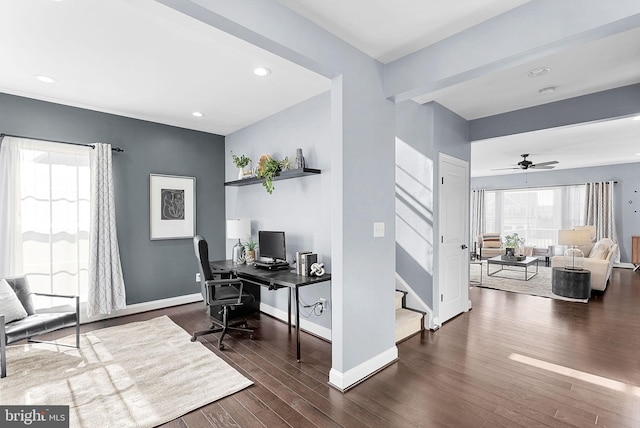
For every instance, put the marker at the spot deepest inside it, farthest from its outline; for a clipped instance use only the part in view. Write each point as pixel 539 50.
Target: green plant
pixel 513 241
pixel 286 164
pixel 268 170
pixel 251 244
pixel 240 161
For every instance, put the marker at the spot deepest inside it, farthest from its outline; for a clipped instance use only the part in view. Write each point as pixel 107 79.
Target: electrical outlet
pixel 198 277
pixel 323 304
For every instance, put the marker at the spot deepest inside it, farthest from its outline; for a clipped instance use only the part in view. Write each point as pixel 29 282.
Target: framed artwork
pixel 172 207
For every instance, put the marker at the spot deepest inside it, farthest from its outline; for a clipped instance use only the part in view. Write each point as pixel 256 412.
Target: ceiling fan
pixel 527 164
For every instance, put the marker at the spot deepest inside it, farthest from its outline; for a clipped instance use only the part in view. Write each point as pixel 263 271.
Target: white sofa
pixel 598 258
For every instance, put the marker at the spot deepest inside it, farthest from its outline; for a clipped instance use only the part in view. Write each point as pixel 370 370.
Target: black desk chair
pixel 220 288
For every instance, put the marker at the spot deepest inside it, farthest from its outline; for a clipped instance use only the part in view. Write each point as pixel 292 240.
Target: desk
pixel 274 280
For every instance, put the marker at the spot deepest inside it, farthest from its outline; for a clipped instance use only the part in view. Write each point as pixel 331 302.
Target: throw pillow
pixel 10 306
pixel 599 252
pixel 491 240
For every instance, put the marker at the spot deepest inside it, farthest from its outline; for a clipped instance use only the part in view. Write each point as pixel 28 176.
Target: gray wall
pixel 152 269
pixel 301 207
pixel 627 192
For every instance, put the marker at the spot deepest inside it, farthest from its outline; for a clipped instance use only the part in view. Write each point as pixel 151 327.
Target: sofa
pixel 598 259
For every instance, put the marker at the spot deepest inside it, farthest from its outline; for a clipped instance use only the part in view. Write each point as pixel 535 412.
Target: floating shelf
pixel 282 175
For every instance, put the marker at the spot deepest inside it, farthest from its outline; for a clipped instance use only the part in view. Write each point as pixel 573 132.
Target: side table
pixel 571 283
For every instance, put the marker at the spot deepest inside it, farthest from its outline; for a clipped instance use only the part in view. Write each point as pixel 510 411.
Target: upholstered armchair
pixel 489 245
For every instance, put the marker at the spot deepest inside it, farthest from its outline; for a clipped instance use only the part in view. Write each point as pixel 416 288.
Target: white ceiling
pixel 140 59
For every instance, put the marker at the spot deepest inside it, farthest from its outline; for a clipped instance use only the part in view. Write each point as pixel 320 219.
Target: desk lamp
pixel 573 256
pixel 238 229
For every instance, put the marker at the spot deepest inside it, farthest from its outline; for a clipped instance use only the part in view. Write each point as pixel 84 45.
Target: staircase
pixel 408 321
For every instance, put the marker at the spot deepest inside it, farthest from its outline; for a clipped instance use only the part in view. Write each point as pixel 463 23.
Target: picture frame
pixel 172 207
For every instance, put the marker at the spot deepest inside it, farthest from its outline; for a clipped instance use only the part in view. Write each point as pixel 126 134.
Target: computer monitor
pixel 272 245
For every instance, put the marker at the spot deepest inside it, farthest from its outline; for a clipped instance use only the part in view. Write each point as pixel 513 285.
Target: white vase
pixel 240 173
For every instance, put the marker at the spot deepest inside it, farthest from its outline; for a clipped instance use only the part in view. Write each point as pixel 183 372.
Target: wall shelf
pixel 282 175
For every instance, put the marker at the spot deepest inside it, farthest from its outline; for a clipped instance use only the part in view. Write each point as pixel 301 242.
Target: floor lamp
pixel 574 257
pixel 238 229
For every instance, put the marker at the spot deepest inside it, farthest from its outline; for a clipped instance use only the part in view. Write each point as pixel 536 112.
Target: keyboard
pixel 271 265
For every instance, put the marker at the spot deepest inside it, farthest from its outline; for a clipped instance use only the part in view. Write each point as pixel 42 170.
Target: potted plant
pixel 268 169
pixel 241 162
pixel 512 242
pixel 250 253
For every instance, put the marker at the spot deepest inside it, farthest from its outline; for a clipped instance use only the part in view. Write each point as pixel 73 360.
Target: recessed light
pixel 547 91
pixel 197 114
pixel 537 72
pixel 45 79
pixel 261 71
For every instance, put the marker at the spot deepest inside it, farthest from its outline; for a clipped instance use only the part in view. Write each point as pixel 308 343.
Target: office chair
pixel 219 288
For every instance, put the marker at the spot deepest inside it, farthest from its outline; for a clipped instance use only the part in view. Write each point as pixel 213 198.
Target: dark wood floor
pixel 513 360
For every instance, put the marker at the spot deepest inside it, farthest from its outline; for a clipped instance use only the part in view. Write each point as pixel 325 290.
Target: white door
pixel 453 223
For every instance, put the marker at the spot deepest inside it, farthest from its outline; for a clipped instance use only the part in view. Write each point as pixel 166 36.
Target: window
pixel 50 224
pixel 536 213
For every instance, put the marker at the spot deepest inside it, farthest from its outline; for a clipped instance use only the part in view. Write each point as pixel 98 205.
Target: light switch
pixel 378 230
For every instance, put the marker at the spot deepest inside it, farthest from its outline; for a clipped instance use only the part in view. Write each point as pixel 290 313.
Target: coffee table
pixel 528 261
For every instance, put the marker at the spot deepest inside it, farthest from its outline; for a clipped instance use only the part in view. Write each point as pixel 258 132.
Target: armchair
pixel 489 245
pixel 36 322
pixel 226 293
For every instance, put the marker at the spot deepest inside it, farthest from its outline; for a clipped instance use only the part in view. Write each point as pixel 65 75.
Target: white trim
pixel 415 302
pixel 344 381
pixel 142 307
pixel 305 325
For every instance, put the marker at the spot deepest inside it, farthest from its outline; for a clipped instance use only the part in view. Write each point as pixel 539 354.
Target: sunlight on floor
pixel 577 374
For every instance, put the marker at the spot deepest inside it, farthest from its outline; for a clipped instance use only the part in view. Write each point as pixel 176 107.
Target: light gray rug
pixel 140 374
pixel 512 279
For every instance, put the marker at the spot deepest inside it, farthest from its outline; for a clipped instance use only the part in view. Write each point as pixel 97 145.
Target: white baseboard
pixel 305 325
pixel 348 379
pixel 142 307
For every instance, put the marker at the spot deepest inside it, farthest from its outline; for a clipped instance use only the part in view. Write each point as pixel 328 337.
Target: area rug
pixel 141 374
pixel 512 279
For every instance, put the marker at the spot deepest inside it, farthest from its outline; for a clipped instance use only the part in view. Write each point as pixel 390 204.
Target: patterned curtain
pixel 477 215
pixel 599 210
pixel 106 283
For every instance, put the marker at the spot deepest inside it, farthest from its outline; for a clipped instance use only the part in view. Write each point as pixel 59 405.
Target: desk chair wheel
pixel 221 346
pixel 193 338
pixel 252 336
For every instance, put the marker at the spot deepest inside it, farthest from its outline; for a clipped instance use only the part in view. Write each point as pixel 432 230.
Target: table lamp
pixel 238 229
pixel 573 256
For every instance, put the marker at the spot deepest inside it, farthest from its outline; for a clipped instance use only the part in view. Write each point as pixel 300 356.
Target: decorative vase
pixel 240 173
pixel 250 256
pixel 299 159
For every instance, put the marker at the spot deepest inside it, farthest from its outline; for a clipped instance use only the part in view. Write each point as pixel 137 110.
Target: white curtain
pixel 106 283
pixel 10 236
pixel 599 210
pixel 477 215
pixel 44 219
